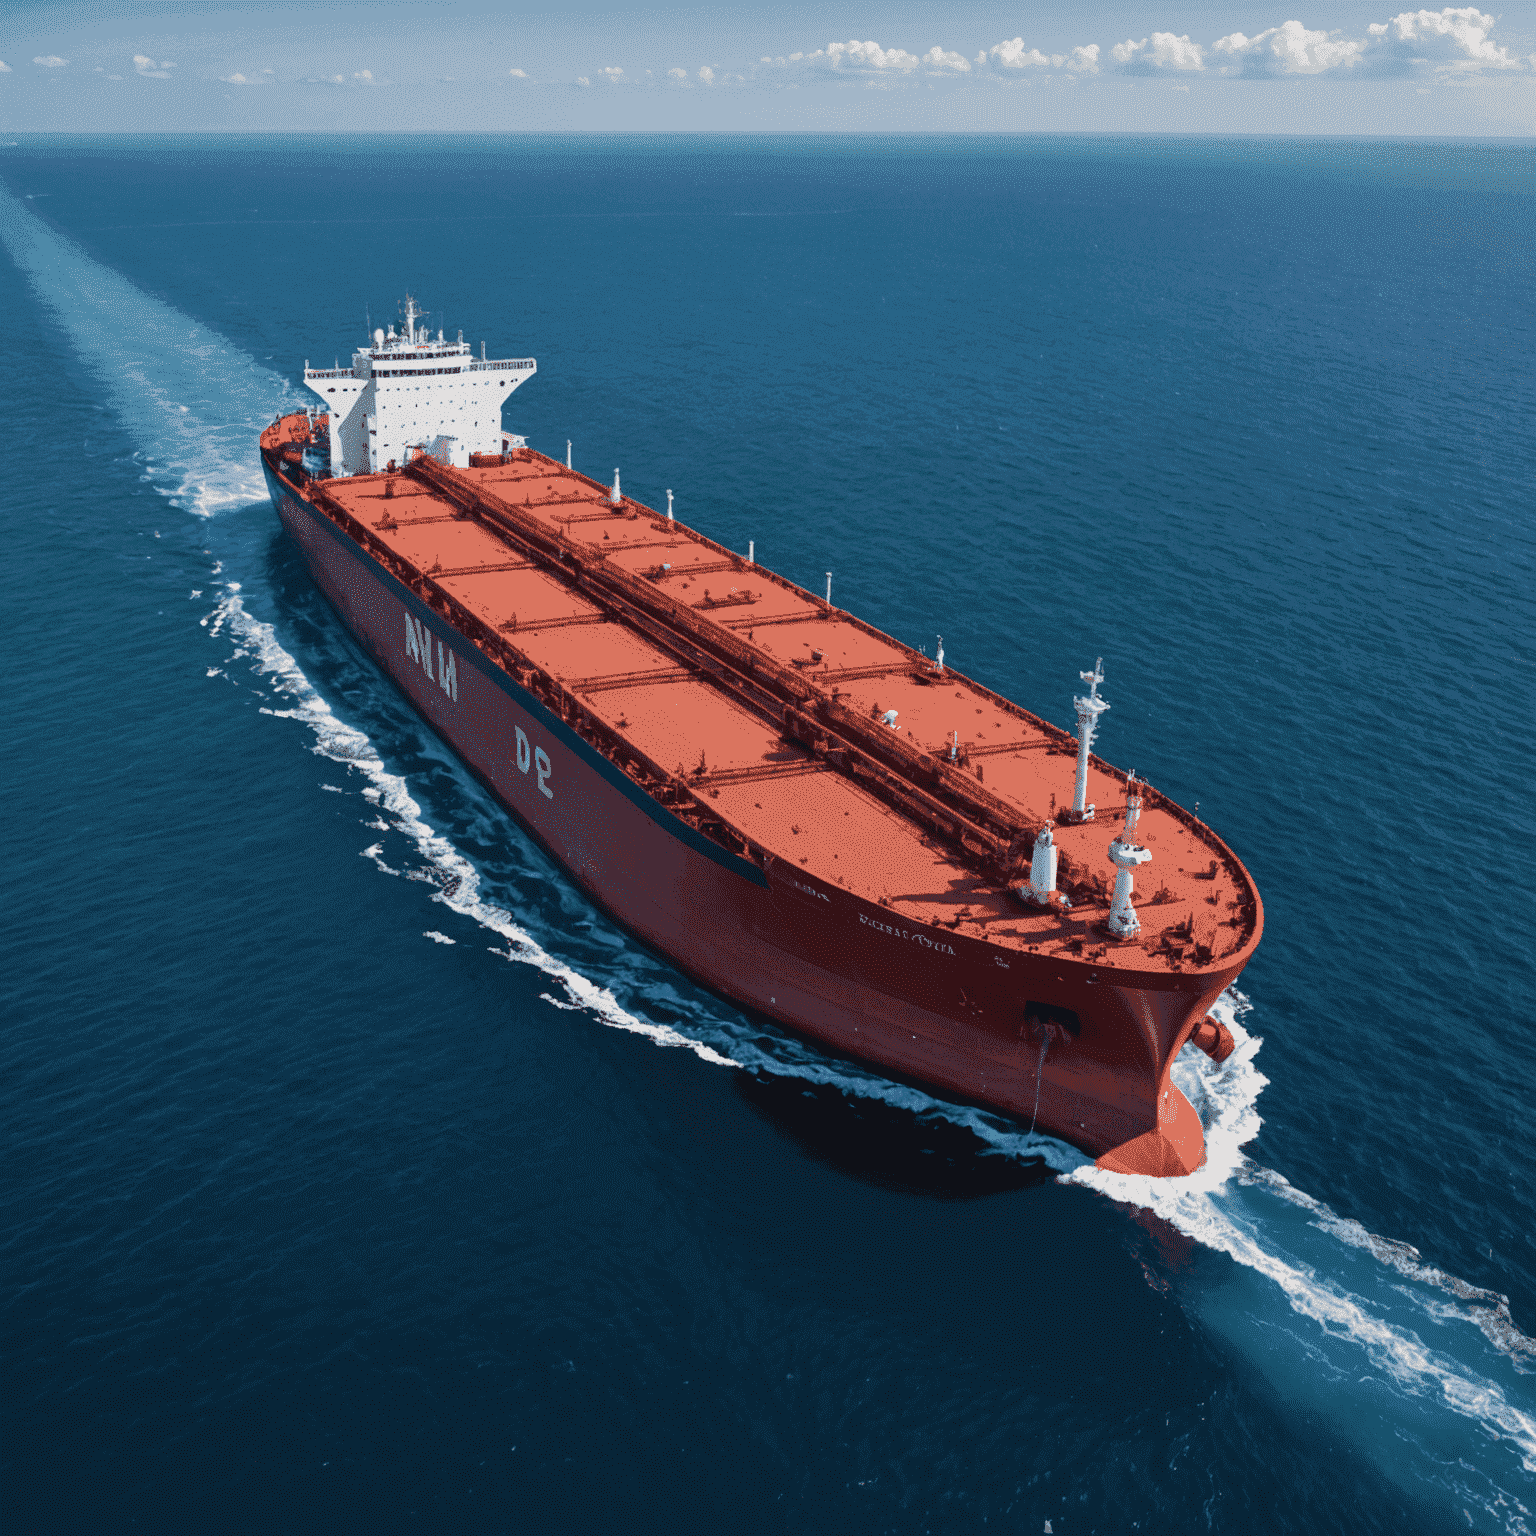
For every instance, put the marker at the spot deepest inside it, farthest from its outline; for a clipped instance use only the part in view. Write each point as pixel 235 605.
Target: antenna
pixel 1089 708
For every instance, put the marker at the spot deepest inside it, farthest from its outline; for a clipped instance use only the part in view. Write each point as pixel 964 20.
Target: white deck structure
pixel 409 392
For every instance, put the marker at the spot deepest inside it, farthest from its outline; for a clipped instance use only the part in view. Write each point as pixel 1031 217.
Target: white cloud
pixel 518 74
pixel 1290 50
pixel 150 70
pixel 871 60
pixel 936 58
pixel 238 80
pixel 50 61
pixel 1014 55
pixel 5 69
pixel 1448 40
pixel 1453 40
pixel 612 73
pixel 1424 43
pixel 868 56
pixel 582 80
pixel 706 74
pixel 682 74
pixel 365 75
pixel 1163 51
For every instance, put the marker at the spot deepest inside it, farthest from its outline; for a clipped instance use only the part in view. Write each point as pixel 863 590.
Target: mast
pixel 1127 856
pixel 1089 708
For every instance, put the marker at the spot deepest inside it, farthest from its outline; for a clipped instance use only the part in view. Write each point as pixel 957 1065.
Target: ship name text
pixel 418 647
pixel 938 946
pixel 536 757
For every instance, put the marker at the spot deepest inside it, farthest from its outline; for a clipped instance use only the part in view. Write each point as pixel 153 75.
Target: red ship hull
pixel 941 1009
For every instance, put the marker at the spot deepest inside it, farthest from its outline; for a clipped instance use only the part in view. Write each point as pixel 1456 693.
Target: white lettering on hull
pixel 529 756
pixel 418 647
pixel 938 946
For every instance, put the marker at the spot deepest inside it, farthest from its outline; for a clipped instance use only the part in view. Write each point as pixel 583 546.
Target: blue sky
pixel 1158 65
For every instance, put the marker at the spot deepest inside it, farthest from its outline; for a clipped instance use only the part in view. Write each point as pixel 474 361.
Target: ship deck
pixel 1196 904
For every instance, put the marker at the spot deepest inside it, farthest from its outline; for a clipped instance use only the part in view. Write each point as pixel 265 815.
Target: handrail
pixel 834 735
pixel 943 797
pixel 667 788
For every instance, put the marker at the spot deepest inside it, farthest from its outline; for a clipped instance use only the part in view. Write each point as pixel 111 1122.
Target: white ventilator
pixel 669 506
pixel 940 656
pixel 1042 869
pixel 1089 708
pixel 614 497
pixel 1127 856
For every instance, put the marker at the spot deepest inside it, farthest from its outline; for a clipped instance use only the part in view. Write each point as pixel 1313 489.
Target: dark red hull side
pixel 930 1005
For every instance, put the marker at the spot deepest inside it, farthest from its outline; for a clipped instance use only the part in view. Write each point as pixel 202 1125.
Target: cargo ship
pixel 820 823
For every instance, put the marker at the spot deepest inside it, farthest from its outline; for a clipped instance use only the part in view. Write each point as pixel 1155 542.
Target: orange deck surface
pixel 772 790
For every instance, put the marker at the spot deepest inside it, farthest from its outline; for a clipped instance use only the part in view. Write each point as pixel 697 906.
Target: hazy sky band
pixel 1452 70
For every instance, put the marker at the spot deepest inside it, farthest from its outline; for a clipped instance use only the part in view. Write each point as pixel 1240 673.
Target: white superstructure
pixel 408 392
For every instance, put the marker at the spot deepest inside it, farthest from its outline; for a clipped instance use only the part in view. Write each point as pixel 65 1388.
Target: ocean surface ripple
pixel 292 1191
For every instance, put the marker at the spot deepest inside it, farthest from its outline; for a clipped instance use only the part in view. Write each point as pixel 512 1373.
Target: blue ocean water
pixel 362 1176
